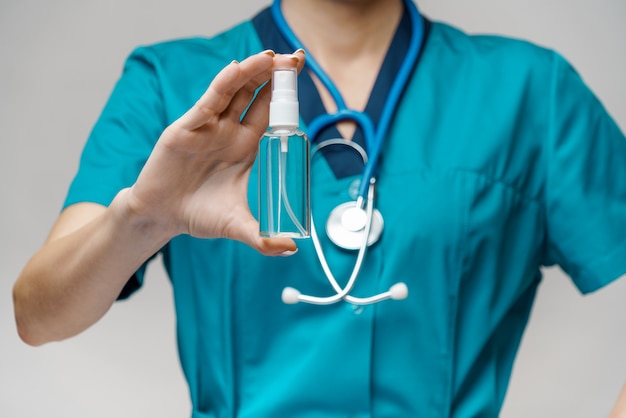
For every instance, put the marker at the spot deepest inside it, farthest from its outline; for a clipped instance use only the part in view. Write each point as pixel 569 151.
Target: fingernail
pixel 234 62
pixel 294 58
pixel 299 50
pixel 269 52
pixel 288 253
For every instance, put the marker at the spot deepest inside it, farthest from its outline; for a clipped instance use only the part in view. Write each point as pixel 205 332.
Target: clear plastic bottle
pixel 284 159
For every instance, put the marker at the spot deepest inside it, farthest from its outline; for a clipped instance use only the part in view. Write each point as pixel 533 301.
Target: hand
pixel 196 179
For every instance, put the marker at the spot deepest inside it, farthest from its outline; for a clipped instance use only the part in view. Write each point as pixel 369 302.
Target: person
pixel 499 161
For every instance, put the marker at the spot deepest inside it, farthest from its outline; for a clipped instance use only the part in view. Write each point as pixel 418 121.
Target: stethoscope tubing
pixel 340 293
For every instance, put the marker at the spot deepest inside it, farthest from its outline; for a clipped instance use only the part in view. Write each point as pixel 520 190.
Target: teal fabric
pixel 500 161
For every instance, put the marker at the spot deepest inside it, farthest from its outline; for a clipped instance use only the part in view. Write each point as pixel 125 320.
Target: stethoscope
pixel 357 224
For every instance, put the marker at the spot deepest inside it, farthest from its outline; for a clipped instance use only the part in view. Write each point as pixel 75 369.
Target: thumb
pixel 276 246
pixel 248 232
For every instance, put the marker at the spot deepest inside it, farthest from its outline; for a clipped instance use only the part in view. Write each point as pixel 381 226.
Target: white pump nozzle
pixel 284 104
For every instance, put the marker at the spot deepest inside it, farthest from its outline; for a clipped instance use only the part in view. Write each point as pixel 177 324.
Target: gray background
pixel 58 62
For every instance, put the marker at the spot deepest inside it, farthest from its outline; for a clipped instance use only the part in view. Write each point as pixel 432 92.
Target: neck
pixel 343 29
pixel 349 40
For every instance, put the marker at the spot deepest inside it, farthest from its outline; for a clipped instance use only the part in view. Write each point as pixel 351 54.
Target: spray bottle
pixel 284 164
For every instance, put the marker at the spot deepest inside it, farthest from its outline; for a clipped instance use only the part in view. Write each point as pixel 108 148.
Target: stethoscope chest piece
pixel 346 225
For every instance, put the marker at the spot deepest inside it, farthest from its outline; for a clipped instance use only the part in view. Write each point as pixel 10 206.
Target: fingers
pixel 241 100
pixel 253 71
pixel 234 87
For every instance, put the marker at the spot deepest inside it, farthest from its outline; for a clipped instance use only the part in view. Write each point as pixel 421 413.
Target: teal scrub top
pixel 499 161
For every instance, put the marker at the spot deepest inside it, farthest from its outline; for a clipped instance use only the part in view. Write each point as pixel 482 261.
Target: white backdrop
pixel 58 62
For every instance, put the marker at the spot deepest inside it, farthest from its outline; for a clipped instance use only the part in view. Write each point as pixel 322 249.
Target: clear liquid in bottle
pixel 284 160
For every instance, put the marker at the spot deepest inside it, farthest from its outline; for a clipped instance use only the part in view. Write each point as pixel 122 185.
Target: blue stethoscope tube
pixel 374 139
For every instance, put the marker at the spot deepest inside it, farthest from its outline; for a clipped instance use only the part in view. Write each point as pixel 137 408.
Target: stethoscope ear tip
pixel 290 296
pixel 398 291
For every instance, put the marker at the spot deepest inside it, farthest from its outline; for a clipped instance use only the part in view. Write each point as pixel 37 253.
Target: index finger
pixel 225 85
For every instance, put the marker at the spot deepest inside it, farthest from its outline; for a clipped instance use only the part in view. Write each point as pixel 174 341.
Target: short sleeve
pixel 121 141
pixel 585 193
pixel 124 135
